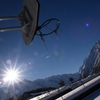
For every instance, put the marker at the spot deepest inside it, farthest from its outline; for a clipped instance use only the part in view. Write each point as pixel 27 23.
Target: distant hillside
pixel 91 65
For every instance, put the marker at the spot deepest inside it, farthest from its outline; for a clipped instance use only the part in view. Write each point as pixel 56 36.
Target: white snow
pixel 97 98
pixel 91 62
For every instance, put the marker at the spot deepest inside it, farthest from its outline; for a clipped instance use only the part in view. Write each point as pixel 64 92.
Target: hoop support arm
pixel 10 28
pixel 8 18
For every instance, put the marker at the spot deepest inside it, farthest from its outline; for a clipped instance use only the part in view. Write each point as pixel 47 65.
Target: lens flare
pixel 11 76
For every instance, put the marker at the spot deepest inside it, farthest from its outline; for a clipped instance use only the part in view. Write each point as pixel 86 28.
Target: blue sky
pixel 80 23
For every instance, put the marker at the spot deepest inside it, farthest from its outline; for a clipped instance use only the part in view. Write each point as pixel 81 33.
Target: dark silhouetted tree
pixel 71 79
pixel 61 83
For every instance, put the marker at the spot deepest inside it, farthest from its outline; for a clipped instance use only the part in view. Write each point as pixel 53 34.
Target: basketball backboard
pixel 29 22
pixel 29 19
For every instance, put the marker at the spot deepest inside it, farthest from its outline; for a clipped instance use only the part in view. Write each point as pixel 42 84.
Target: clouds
pixel 47 56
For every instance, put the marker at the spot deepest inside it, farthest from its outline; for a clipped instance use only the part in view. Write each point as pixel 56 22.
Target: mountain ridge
pixel 91 65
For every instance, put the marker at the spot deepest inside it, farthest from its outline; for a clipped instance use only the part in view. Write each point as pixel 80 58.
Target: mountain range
pixel 91 65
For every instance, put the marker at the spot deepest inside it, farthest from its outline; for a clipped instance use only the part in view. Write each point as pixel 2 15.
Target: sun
pixel 11 75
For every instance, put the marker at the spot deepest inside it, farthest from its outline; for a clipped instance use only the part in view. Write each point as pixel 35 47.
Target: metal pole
pixel 10 28
pixel 8 18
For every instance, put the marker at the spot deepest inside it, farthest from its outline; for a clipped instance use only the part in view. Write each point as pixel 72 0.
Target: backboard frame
pixel 29 19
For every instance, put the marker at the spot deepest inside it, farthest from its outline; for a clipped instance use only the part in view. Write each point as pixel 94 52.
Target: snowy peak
pixel 92 62
pixel 96 48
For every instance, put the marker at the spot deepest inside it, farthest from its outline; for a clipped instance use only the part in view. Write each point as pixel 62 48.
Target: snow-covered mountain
pixel 27 85
pixel 50 82
pixel 91 64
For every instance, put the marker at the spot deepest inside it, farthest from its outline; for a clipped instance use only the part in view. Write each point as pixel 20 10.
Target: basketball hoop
pixel 45 24
pixel 29 22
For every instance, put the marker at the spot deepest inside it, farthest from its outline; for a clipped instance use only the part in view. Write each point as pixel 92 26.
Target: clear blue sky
pixel 80 23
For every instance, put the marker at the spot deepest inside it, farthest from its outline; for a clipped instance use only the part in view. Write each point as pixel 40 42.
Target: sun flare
pixel 11 73
pixel 11 76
